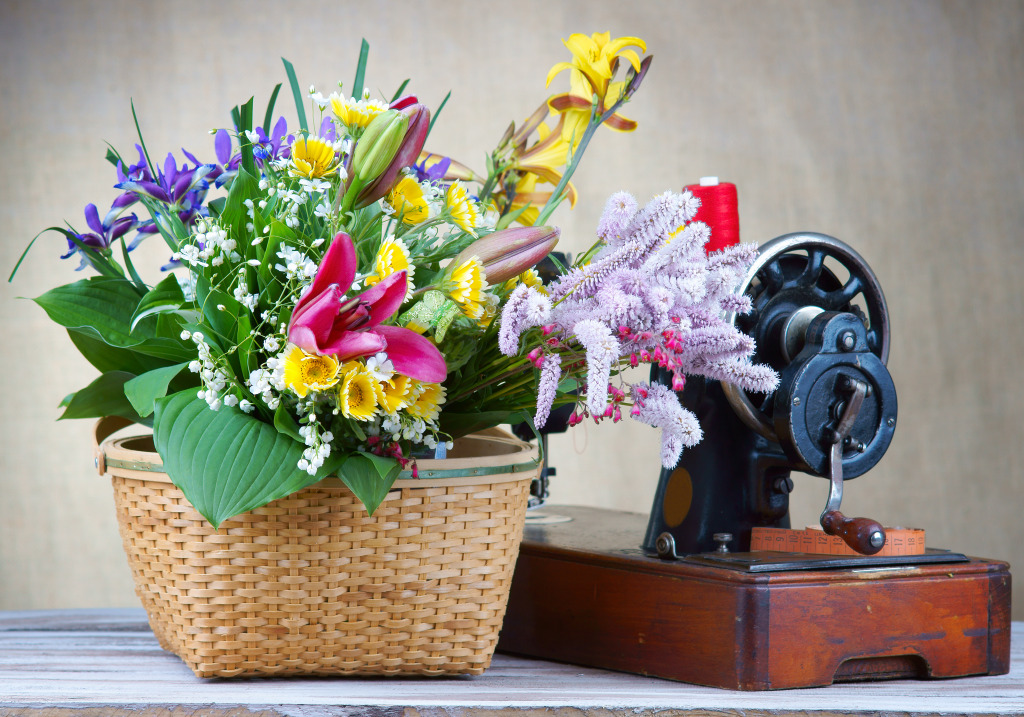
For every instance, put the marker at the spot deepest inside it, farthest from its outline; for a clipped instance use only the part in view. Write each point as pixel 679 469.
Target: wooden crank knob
pixel 864 535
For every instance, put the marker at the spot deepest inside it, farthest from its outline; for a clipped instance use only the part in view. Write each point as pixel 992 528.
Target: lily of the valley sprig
pixel 331 299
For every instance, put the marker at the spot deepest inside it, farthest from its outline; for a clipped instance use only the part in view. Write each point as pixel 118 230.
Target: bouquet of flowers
pixel 340 300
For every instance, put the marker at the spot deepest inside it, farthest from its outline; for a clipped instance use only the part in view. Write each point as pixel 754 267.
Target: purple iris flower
pixel 434 173
pixel 277 146
pixel 104 233
pixel 181 189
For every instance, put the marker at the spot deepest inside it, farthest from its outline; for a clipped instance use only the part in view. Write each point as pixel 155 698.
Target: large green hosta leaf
pixel 224 461
pixel 102 308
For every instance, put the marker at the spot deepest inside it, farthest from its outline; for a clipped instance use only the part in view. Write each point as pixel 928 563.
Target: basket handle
pixel 100 432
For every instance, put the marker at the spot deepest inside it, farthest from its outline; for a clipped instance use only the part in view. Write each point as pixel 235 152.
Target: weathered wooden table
pixel 107 662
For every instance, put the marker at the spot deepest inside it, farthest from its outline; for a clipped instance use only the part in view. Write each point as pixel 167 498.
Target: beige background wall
pixel 895 126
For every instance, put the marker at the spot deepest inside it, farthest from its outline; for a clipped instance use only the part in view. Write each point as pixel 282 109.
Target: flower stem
pixel 573 163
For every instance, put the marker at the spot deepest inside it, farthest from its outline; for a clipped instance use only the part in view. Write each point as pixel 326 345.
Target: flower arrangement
pixel 348 299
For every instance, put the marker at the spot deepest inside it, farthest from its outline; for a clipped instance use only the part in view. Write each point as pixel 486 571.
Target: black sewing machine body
pixel 685 599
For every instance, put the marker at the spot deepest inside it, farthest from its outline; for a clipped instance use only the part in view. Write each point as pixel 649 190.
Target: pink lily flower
pixel 325 322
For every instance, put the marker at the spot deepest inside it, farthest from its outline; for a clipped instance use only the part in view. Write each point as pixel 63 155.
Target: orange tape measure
pixel 898 541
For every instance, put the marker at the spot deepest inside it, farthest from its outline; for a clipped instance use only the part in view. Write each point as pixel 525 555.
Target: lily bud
pixel 634 77
pixel 510 252
pixel 418 122
pixel 402 102
pixel 379 144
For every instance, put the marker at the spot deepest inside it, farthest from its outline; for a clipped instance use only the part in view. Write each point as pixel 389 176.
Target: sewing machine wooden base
pixel 584 594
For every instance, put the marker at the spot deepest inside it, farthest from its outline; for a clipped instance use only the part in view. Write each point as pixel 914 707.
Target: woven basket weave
pixel 310 584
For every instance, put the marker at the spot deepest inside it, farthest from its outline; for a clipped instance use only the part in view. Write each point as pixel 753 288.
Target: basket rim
pixel 518 458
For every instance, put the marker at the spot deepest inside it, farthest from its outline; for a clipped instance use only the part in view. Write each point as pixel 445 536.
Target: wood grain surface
pixel 107 662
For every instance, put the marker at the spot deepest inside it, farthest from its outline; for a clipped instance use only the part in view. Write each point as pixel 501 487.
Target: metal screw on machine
pixel 723 540
pixel 666 546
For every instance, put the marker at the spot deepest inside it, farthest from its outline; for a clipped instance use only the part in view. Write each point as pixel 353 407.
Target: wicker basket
pixel 310 584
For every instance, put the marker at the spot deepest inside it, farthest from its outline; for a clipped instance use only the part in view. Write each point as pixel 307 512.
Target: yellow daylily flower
pixel 528 196
pixel 575 108
pixel 305 372
pixel 595 58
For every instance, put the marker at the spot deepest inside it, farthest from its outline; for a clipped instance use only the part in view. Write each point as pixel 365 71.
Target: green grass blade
pixel 400 90
pixel 300 108
pixel 437 114
pixel 269 116
pixel 357 86
pixel 145 152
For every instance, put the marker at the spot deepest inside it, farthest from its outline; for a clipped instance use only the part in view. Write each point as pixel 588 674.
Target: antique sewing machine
pixel 716 588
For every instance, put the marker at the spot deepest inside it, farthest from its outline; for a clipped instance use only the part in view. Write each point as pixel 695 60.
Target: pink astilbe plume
pixel 550 373
pixel 650 295
pixel 659 406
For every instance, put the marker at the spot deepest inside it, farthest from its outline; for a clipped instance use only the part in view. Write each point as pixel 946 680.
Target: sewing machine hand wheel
pixel 819 318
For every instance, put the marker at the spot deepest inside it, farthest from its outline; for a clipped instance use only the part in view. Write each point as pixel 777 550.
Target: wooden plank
pixel 108 663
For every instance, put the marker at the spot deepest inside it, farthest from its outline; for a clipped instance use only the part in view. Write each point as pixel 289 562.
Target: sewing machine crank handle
pixel 864 535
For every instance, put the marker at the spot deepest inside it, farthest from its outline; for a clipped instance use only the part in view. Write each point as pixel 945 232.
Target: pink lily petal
pixel 353 344
pixel 413 355
pixel 337 267
pixel 383 299
pixel 313 317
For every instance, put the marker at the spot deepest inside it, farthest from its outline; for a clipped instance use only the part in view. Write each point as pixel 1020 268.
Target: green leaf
pixel 99 262
pixel 245 146
pixel 369 477
pixel 103 397
pixel 224 461
pixel 103 308
pixel 105 357
pixel 139 283
pixel 235 215
pixel 223 325
pixel 166 295
pixel 143 391
pixel 269 116
pixel 357 85
pixel 284 423
pixel 506 220
pixel 98 305
pixel 461 424
pixel 398 92
pixel 216 206
pixel 437 113
pixel 142 142
pixel 172 230
pixel 300 108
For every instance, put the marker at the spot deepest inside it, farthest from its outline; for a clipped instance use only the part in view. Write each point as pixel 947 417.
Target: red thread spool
pixel 719 209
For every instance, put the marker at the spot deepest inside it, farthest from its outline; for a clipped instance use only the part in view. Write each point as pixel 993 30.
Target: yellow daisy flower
pixel 305 372
pixel 467 287
pixel 406 197
pixel 461 208
pixel 353 113
pixel 358 394
pixel 429 398
pixel 395 393
pixel 393 256
pixel 531 278
pixel 312 157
